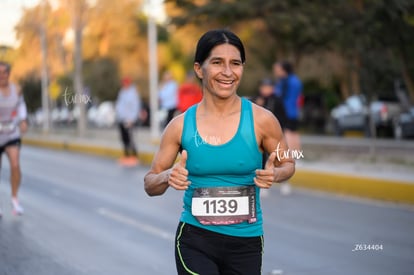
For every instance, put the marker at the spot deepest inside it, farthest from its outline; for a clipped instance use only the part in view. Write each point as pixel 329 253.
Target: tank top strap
pixel 247 116
pixel 189 127
pixel 247 132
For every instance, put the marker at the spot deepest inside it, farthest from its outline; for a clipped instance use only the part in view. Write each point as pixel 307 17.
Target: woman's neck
pixel 219 107
pixel 5 89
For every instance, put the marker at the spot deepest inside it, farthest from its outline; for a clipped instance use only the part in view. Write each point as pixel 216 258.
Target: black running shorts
pixel 203 252
pixel 13 142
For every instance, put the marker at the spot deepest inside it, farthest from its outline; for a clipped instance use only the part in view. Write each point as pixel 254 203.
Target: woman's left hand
pixel 266 177
pixel 23 126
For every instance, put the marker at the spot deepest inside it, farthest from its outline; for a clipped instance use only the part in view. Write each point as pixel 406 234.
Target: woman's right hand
pixel 178 175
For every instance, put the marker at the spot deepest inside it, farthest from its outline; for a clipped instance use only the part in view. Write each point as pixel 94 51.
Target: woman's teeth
pixel 226 82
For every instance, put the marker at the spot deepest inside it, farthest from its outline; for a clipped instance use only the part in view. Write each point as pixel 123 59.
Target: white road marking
pixel 147 228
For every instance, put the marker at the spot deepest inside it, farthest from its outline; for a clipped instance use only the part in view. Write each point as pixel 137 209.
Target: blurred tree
pixel 115 31
pixel 102 79
pixel 78 10
pixel 371 37
pixel 294 28
pixel 377 38
pixel 272 30
pixel 28 54
pixel 32 91
pixel 28 32
pixel 396 36
pixel 111 31
pixel 58 28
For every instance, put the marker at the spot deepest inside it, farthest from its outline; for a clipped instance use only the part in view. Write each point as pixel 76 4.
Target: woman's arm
pixel 22 112
pixel 161 175
pixel 280 165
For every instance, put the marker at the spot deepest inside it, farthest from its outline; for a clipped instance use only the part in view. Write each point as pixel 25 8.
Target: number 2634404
pixel 366 247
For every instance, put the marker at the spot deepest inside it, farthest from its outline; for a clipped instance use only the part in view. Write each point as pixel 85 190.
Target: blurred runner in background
pixel 189 93
pixel 13 114
pixel 266 98
pixel 168 96
pixel 289 88
pixel 127 107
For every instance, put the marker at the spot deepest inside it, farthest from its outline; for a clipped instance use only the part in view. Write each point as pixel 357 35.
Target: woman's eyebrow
pixel 215 58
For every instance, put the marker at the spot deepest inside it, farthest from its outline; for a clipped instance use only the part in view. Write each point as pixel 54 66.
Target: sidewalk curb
pixel 386 190
pixel 381 189
pixel 144 157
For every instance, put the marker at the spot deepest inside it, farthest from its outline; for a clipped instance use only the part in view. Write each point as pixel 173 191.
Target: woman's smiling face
pixel 221 72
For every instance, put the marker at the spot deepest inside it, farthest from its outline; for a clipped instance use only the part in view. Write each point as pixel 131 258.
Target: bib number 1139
pixel 220 206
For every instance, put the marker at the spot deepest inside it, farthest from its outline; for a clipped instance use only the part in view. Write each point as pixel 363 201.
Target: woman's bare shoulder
pixel 266 124
pixel 262 115
pixel 176 124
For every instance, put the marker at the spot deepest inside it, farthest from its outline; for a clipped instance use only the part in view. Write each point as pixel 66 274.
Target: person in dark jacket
pixel 289 88
pixel 266 98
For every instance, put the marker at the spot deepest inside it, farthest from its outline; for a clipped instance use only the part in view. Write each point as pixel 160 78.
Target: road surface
pixel 87 215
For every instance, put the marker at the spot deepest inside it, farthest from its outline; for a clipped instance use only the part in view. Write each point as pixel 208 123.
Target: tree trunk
pixel 405 71
pixel 409 83
pixel 354 75
pixel 344 86
pixel 104 44
pixel 77 78
pixel 45 81
pixel 297 58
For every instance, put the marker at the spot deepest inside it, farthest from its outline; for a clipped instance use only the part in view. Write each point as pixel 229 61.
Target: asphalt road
pixel 87 215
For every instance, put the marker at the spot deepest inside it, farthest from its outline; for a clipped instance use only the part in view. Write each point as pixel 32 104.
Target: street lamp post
pixel 153 70
pixel 78 10
pixel 44 75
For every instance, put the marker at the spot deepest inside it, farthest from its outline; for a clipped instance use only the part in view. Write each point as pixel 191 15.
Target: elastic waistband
pixel 208 233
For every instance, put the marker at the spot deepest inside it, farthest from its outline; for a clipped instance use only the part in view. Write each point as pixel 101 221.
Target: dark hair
pixel 7 65
pixel 266 82
pixel 214 38
pixel 286 66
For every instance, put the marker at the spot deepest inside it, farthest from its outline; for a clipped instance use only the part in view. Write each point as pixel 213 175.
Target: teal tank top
pixel 231 164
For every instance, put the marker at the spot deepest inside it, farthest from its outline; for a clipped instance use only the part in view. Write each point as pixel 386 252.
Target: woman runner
pixel 221 140
pixel 13 123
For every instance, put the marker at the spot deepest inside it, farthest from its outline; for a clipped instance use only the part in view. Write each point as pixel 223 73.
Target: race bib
pixel 7 127
pixel 224 205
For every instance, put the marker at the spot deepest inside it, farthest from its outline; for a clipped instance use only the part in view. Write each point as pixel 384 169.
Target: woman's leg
pixel 13 153
pixel 242 256
pixel 194 254
pixel 124 138
pixel 131 145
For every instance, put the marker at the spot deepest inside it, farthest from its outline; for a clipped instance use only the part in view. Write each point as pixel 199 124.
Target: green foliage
pixel 32 92
pixel 102 78
pixel 141 22
pixel 329 95
pixel 376 37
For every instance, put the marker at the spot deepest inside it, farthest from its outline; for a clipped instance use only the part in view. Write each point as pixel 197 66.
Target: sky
pixel 11 11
